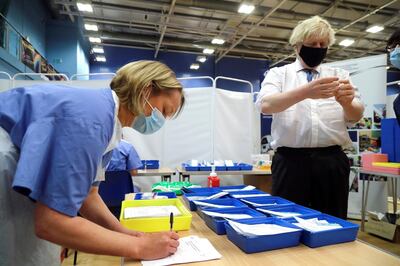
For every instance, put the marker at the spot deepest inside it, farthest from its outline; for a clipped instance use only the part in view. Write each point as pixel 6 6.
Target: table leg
pixel 166 178
pixel 394 195
pixel 184 177
pixel 362 204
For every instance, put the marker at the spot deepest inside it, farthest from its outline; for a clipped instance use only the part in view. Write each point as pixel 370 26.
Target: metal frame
pixel 91 74
pixel 40 75
pixel 6 74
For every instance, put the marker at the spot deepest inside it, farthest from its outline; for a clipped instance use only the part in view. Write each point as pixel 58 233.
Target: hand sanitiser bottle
pixel 213 180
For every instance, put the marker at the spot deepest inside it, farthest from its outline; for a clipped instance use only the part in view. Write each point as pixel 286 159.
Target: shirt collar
pixel 299 67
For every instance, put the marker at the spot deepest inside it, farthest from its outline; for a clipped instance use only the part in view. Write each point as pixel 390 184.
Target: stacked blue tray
pixel 207 168
pixel 217 224
pixel 190 197
pixel 150 164
pixel 248 193
pixel 329 237
pixel 224 203
pixel 186 190
pixel 139 196
pixel 303 211
pixel 252 244
pixel 272 201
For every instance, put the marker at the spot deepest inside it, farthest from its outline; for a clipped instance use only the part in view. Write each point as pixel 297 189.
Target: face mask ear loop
pixel 152 108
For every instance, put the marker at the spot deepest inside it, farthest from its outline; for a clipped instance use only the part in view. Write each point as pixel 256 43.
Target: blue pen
pixel 171 221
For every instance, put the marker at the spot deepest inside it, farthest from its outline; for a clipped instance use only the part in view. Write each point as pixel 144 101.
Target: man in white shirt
pixel 311 106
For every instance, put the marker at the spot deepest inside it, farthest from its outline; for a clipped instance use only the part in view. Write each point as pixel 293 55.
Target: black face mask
pixel 312 56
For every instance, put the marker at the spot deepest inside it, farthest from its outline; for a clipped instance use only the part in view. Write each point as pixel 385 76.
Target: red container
pixel 213 181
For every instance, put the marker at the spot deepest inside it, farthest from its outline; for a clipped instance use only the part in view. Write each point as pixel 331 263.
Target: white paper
pixel 250 195
pixel 191 249
pixel 205 204
pixel 233 216
pixel 151 211
pixel 259 204
pixel 281 214
pixel 218 195
pixel 197 197
pixel 315 225
pixel 260 229
pixel 247 188
pixel 229 163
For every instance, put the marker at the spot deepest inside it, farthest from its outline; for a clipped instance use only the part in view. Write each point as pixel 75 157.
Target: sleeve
pixel 272 84
pixel 133 160
pixel 58 162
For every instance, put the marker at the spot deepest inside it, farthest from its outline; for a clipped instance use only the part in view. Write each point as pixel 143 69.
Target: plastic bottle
pixel 213 179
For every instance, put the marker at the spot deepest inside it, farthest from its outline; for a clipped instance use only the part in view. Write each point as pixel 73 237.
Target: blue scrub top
pixel 62 133
pixel 124 157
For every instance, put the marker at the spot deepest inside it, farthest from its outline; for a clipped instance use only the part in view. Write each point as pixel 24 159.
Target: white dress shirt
pixel 311 122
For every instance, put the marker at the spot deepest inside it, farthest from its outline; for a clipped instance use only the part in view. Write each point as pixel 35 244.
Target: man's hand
pixel 157 245
pixel 345 93
pixel 321 88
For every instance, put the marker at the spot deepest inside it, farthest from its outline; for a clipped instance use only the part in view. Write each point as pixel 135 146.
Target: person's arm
pixel 353 109
pixel 317 89
pixel 133 172
pixel 84 235
pixel 94 209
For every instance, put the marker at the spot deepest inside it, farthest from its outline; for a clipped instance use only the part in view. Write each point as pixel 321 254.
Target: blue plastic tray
pixel 235 167
pixel 245 167
pixel 201 190
pixel 223 188
pixel 248 193
pixel 330 237
pixel 252 244
pixel 277 201
pixel 170 195
pixel 305 212
pixel 217 224
pixel 225 201
pixel 189 167
pixel 205 168
pixel 191 204
pixel 152 164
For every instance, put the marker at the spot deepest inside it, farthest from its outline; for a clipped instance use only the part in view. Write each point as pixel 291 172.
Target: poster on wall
pixel 27 54
pixel 368 74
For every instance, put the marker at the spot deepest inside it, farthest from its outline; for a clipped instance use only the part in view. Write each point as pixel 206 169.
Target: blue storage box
pixel 245 167
pixel 152 164
pixel 217 224
pixel 390 139
pixel 187 190
pixel 267 201
pixel 305 212
pixel 329 237
pixel 189 201
pixel 189 167
pixel 252 244
pixel 170 195
pixel 247 193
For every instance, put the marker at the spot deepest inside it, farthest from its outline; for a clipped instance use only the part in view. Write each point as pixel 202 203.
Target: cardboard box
pixel 384 229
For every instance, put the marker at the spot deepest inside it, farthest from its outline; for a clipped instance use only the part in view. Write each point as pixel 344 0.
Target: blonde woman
pixel 55 141
pixel 311 105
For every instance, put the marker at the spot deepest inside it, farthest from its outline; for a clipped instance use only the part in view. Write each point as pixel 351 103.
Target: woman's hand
pixel 157 245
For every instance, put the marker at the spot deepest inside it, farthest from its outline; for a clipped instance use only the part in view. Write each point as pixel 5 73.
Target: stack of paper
pixel 205 204
pixel 260 229
pixel 233 216
pixel 315 225
pixel 191 249
pixel 151 211
pixel 218 195
pixel 280 214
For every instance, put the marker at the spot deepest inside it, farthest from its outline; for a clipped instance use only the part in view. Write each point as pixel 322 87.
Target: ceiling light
pixel 246 9
pixel 201 58
pixel 375 29
pixel 101 58
pixel 94 39
pixel 84 7
pixel 346 42
pixel 217 41
pixel 91 27
pixel 194 66
pixel 387 67
pixel 98 50
pixel 208 51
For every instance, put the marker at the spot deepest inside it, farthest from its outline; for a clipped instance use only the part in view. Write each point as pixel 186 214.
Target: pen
pixel 171 221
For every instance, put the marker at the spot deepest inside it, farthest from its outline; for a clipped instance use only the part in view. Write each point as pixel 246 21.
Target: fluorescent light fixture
pixel 208 51
pixel 84 7
pixel 94 39
pixel 375 29
pixel 101 58
pixel 387 67
pixel 246 9
pixel 91 27
pixel 201 58
pixel 98 50
pixel 217 41
pixel 346 42
pixel 194 66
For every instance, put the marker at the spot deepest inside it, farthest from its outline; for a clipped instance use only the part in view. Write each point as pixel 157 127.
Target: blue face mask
pixel 149 124
pixel 395 57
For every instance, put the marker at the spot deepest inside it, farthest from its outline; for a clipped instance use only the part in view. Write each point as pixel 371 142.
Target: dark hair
pixel 394 39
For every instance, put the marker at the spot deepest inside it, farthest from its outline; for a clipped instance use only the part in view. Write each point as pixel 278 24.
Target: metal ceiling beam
pixel 269 13
pixel 164 28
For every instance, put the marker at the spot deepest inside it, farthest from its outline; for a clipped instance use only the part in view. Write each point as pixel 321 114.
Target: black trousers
pixel 313 177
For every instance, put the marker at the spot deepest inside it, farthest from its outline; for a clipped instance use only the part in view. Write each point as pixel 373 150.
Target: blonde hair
pixel 314 26
pixel 133 79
